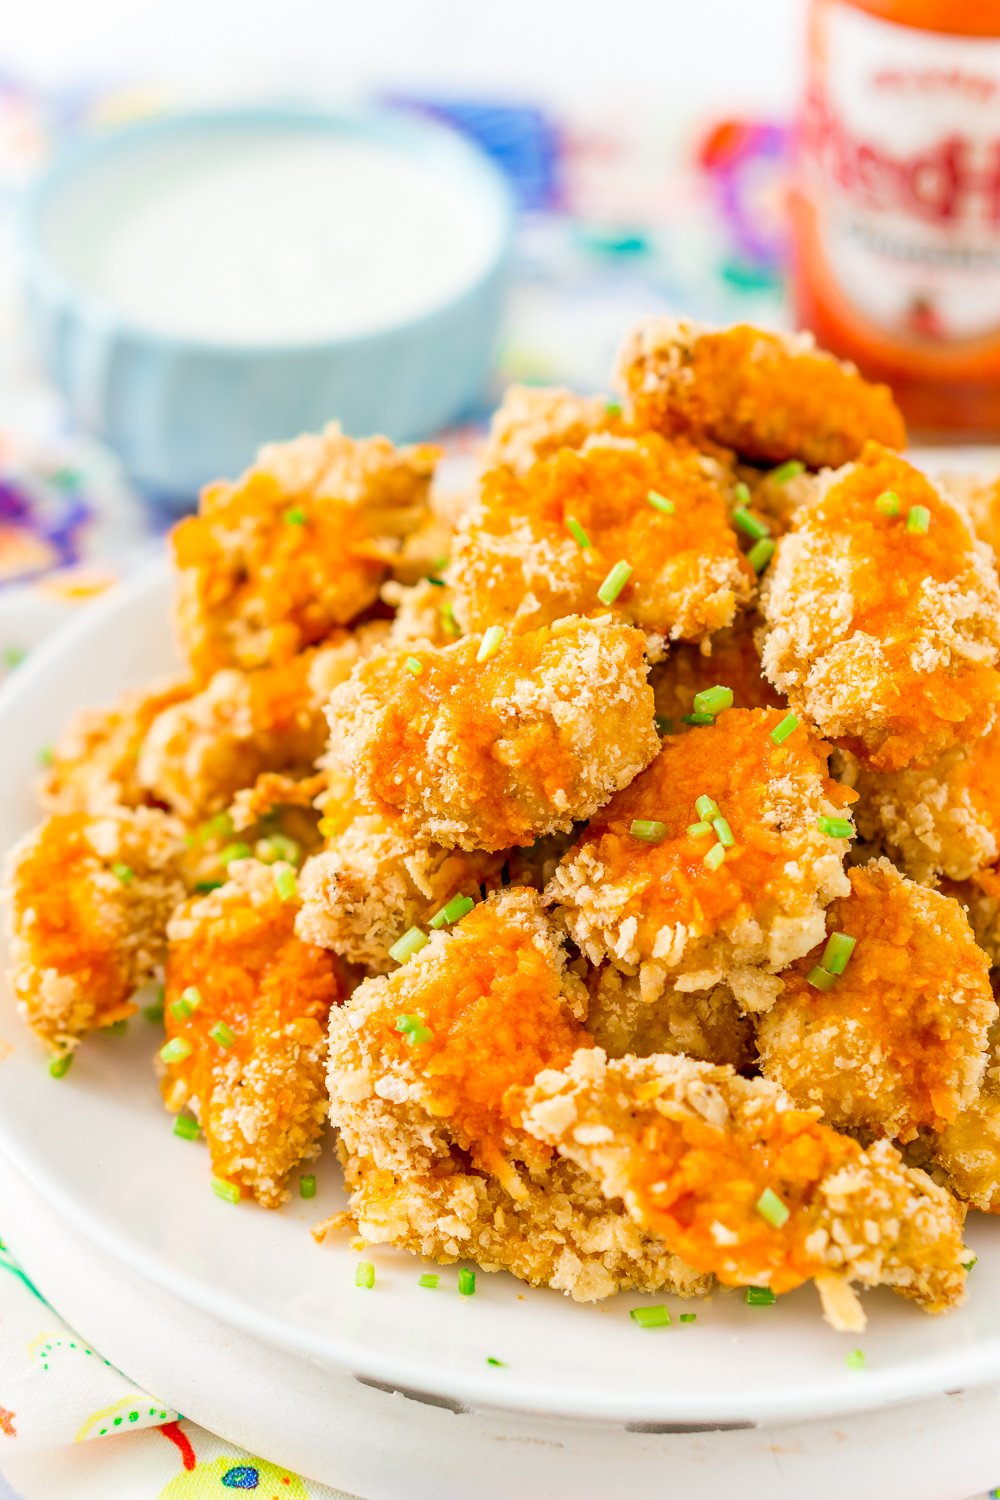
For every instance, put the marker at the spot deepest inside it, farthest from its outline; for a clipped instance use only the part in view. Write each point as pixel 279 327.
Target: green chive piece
pixel 707 808
pixel 698 830
pixel 364 1274
pixel 411 942
pixel 202 887
pixel 60 1066
pixel 438 583
pixel 760 554
pixel 439 563
pixel 219 827
pixel 13 656
pixel 285 883
pixel 771 1208
pixel 967 1265
pixel 577 532
pixel 153 1013
pixel 855 1360
pixel 786 471
pixel 192 995
pixel 176 1050
pixel 453 911
pixel 180 1009
pixel 429 1280
pixel 46 755
pixel 449 624
pixel 712 700
pixel 741 493
pixel 307 1185
pixel 277 847
pixel 124 873
pixel 918 520
pixel 238 850
pixel 613 409
pixel 821 979
pixel 187 1127
pixel 490 643
pixel 648 830
pixel 222 1034
pixel 713 859
pixel 788 725
pixel 661 503
pixel 887 504
pixel 689 1317
pixel 837 952
pixel 229 1192
pixel 614 583
pixel 836 828
pixel 466 1282
pixel 295 516
pixel 419 1036
pixel 664 724
pixel 414 665
pixel 723 832
pixel 759 1296
pixel 406 1023
pixel 650 1317
pixel 749 524
pixel 697 718
pixel 496 1363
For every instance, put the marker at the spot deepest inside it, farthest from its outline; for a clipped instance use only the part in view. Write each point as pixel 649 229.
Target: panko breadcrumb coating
pixel 898 1043
pixel 539 546
pixel 659 909
pixel 533 422
pixel 89 901
pixel 981 501
pixel 770 396
pixel 298 545
pixel 483 749
pixel 884 636
pixel 250 1001
pixel 967 1152
pixel 704 1024
pixel 732 661
pixel 741 1184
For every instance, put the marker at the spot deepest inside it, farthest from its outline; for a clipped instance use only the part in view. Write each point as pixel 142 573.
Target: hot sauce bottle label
pixel 900 164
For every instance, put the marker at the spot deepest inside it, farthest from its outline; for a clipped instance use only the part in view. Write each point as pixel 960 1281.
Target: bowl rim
pixel 411 133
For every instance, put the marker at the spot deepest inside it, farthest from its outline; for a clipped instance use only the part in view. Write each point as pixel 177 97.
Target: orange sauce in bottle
pixel 896 209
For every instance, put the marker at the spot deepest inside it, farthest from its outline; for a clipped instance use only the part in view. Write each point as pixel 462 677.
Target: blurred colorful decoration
pixel 746 166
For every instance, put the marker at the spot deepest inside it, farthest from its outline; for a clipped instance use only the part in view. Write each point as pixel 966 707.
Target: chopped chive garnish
pixel 181 1009
pixel 449 624
pixel 238 850
pixel 661 503
pixel 124 873
pixel 723 832
pixel 918 519
pixel 759 1296
pixel 153 1013
pixel 577 532
pixel 364 1274
pixel 406 1023
pixel 466 1282
pixel 419 1036
pixel 749 524
pixel 967 1265
pixel 295 516
pixel 648 830
pixel 788 725
pixel 821 979
pixel 176 1050
pixel 60 1066
pixel 771 1208
pixel 614 583
pixel 437 582
pixel 307 1185
pixel 697 718
pixel 713 859
pixel 453 911
pixel 664 724
pixel 712 700
pixel 836 828
pixel 411 942
pixel 787 471
pixel 698 830
pixel 490 643
pixel 855 1360
pixel 760 554
pixel 219 827
pixel 613 409
pixel 45 755
pixel 414 665
pixel 192 995
pixel 429 1280
pixel 285 883
pixel 650 1317
pixel 202 887
pixel 741 493
pixel 497 1364
pixel 707 808
pixel 187 1127
pixel 276 846
pixel 689 1317
pixel 837 952
pixel 222 1034
pixel 887 504
pixel 229 1192
pixel 439 563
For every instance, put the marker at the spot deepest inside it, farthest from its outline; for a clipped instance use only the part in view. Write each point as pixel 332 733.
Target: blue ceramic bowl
pixel 179 411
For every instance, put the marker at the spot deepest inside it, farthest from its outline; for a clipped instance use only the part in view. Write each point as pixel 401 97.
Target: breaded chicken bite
pixel 895 1042
pixel 770 396
pixel 718 862
pixel 498 739
pixel 882 616
pixel 636 524
pixel 967 1152
pixel 741 1184
pixel 246 1012
pixel 421 1062
pixel 981 501
pixel 373 882
pixel 704 1024
pixel 533 422
pixel 731 661
pixel 298 545
pixel 89 902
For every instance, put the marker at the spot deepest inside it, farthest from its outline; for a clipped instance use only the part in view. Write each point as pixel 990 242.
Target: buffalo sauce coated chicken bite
pixel 298 545
pixel 882 616
pixel 771 397
pixel 885 1025
pixel 498 739
pixel 546 544
pixel 246 1012
pixel 717 862
pixel 90 897
pixel 966 1153
pixel 533 422
pixel 742 1185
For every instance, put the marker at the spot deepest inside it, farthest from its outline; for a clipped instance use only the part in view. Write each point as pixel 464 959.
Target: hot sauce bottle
pixel 896 210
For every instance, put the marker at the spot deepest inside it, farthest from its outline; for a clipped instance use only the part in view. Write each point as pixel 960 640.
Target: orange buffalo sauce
pixel 896 213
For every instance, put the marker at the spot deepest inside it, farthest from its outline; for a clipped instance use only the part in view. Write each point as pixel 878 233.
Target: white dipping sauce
pixel 269 236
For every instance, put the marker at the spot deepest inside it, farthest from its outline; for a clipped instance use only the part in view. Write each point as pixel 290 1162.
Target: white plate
pixel 99 1148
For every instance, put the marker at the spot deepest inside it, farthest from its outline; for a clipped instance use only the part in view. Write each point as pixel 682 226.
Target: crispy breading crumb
pixel 730 659
pixel 967 1152
pixel 703 1024
pixel 533 422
